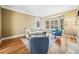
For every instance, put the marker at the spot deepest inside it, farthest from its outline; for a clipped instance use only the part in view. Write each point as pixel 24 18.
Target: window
pixel 62 23
pixel 51 24
pixel 47 24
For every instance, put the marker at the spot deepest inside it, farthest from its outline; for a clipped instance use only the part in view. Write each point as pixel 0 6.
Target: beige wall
pixel 0 22
pixel 70 22
pixel 13 23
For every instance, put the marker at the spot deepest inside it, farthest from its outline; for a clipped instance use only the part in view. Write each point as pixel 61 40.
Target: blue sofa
pixel 39 45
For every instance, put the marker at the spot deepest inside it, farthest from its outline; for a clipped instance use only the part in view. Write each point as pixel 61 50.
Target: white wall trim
pixel 56 16
pixel 11 37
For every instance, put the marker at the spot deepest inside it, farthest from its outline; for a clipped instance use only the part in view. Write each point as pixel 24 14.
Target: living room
pixel 22 20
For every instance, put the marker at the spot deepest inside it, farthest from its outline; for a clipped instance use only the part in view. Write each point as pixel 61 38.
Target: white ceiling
pixel 41 10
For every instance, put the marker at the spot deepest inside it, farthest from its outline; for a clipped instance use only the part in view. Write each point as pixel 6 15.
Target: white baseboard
pixel 11 37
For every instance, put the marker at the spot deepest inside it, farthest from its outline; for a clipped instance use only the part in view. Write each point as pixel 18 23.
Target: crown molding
pixel 5 7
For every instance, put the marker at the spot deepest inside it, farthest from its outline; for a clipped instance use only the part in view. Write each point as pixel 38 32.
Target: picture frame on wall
pixel 37 23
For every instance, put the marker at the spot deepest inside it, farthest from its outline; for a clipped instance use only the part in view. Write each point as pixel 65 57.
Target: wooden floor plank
pixel 13 46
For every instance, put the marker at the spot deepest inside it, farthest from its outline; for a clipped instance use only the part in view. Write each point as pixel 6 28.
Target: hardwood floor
pixel 19 46
pixel 13 46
